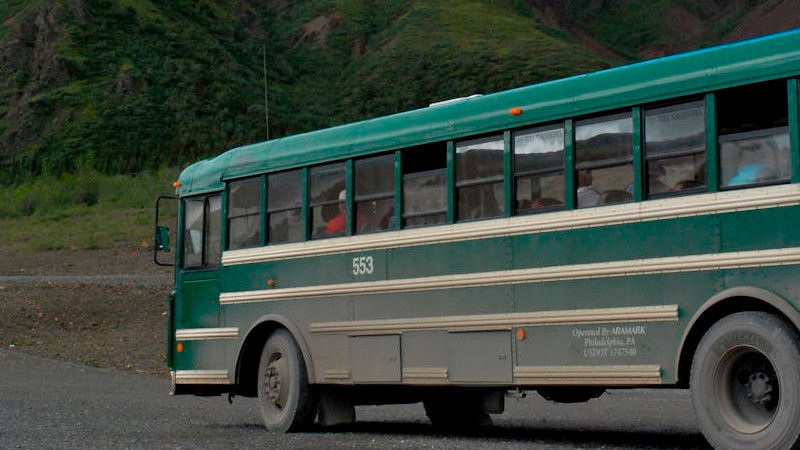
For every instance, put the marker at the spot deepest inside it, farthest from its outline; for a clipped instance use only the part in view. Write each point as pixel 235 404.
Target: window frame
pixel 205 264
pixel 269 210
pixel 517 175
pixel 259 213
pixel 648 158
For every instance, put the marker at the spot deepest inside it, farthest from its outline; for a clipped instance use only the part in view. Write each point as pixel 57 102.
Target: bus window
pixel 213 255
pixel 754 135
pixel 244 213
pixel 374 194
pixel 285 207
pixel 202 220
pixel 604 160
pixel 675 148
pixel 425 185
pixel 479 178
pixel 327 195
pixel 193 224
pixel 539 168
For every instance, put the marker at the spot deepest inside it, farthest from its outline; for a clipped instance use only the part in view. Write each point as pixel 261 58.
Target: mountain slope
pixel 119 86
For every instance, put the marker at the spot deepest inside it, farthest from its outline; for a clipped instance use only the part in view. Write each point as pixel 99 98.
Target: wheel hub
pixel 273 385
pixel 759 388
pixel 275 388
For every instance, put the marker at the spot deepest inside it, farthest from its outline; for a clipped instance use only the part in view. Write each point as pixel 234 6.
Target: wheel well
pixel 708 318
pixel 250 356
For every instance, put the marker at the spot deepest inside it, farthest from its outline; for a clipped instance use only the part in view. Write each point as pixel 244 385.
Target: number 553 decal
pixel 363 265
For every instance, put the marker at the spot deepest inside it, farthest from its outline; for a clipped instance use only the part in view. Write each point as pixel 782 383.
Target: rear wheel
pixel 287 401
pixel 745 383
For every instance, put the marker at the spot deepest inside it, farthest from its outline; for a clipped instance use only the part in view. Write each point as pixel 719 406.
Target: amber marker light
pixel 520 335
pixel 180 347
pixel 177 184
pixel 271 283
pixel 515 111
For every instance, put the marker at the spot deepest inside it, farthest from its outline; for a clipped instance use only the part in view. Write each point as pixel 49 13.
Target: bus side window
pixel 327 200
pixel 754 135
pixel 374 194
pixel 675 148
pixel 285 207
pixel 604 160
pixel 425 185
pixel 539 168
pixel 479 178
pixel 213 253
pixel 202 232
pixel 193 227
pixel 244 213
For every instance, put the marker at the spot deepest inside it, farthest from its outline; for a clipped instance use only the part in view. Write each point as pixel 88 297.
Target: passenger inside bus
pixel 337 224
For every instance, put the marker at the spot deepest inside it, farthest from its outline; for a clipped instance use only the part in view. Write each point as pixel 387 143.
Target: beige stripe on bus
pixel 637 267
pixel 583 375
pixel 503 321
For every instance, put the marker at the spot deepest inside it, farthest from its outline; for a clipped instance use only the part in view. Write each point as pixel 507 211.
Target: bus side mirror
pixel 162 239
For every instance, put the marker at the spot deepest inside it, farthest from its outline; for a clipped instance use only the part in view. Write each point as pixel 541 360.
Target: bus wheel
pixel 287 401
pixel 745 382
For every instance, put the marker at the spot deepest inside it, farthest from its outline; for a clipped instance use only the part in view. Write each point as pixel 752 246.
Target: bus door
pixel 197 297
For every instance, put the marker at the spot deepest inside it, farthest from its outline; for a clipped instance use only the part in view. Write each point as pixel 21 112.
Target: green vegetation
pixel 83 211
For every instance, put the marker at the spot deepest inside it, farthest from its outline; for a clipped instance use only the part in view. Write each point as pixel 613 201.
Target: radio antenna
pixel 266 96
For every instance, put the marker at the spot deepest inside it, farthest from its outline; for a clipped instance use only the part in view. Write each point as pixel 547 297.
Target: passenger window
pixel 202 219
pixel 425 185
pixel 244 213
pixel 479 178
pixel 604 160
pixel 213 255
pixel 754 135
pixel 374 194
pixel 675 149
pixel 539 168
pixel 327 205
pixel 285 207
pixel 193 227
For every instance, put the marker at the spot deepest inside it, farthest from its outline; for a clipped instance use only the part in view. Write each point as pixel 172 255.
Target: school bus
pixel 633 227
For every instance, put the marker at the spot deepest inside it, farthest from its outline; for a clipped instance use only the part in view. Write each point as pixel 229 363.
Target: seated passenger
pixel 337 225
pixel 587 194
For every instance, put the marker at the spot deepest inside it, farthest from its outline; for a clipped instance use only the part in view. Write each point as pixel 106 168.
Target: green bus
pixel 633 227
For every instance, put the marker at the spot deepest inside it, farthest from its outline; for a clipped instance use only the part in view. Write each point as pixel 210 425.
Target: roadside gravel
pixel 103 308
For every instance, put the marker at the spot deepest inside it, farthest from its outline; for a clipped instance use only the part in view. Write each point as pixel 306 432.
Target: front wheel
pixel 745 383
pixel 287 401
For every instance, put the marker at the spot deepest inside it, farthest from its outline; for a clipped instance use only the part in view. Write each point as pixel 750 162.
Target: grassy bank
pixel 84 211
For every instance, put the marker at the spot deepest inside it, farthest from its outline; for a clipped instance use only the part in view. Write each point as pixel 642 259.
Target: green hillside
pixel 135 85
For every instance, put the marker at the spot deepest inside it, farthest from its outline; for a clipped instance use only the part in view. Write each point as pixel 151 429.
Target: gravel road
pixel 49 404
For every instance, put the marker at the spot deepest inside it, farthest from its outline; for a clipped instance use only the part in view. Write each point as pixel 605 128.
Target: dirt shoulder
pixel 104 308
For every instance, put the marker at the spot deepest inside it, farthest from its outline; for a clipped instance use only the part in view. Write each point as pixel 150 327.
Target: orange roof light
pixel 520 334
pixel 180 347
pixel 515 111
pixel 177 184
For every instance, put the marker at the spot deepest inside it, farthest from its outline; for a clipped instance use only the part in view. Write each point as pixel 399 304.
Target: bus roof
pixel 761 59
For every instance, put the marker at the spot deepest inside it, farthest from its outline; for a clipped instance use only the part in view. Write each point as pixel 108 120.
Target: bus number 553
pixel 363 265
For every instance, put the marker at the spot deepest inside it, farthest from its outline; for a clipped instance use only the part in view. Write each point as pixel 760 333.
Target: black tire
pixel 288 403
pixel 745 383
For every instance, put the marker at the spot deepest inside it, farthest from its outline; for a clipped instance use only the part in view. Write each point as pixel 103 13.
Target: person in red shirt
pixel 336 225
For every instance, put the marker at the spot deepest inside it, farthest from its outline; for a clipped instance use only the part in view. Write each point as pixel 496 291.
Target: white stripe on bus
pixel 636 267
pixel 198 334
pixel 501 321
